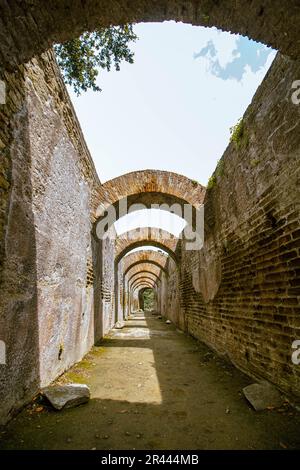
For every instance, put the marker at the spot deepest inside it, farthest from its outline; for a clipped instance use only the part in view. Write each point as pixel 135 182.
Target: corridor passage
pixel 153 387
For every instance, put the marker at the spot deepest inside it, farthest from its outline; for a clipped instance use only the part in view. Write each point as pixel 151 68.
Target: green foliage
pixel 205 17
pixel 254 162
pixel 219 171
pixel 148 295
pixel 238 134
pixel 211 182
pixel 80 59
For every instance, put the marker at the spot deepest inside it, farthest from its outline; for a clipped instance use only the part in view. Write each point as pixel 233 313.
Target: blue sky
pixel 173 108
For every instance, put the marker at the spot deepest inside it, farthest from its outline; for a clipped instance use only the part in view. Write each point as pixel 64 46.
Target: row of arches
pixel 144 257
pixel 256 196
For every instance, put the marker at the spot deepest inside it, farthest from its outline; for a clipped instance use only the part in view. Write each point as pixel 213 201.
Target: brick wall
pixel 241 293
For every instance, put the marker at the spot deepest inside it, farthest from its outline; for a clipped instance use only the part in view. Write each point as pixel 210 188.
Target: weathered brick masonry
pixel 29 28
pixel 240 293
pixel 47 182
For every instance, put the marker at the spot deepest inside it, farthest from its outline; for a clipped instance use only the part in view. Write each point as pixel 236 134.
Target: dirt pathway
pixel 155 388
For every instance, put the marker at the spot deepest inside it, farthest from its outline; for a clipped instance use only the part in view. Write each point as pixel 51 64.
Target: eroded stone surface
pixel 263 395
pixel 67 396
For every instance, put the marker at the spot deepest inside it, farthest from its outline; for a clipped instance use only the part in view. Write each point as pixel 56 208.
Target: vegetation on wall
pixel 81 58
pixel 219 171
pixel 238 134
pixel 149 299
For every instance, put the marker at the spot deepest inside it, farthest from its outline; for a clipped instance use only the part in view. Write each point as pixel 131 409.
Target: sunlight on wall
pixel 146 248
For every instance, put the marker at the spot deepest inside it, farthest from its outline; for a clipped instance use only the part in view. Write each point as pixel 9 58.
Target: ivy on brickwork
pixel 80 59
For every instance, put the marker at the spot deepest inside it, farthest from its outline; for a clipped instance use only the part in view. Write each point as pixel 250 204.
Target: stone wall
pixel 47 183
pixel 29 28
pixel 239 294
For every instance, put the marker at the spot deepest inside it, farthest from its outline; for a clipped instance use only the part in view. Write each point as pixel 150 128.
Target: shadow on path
pixel 152 387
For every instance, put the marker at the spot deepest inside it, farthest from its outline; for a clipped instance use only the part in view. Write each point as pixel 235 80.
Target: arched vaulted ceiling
pixel 145 237
pixel 157 258
pixel 29 28
pixel 139 274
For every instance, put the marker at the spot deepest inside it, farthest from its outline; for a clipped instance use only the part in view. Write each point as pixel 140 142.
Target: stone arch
pixel 144 273
pixel 144 267
pixel 150 284
pixel 137 289
pixel 142 262
pixel 143 256
pixel 142 279
pixel 144 190
pixel 274 22
pixel 145 236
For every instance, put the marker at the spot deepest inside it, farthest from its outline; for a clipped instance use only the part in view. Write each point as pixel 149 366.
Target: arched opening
pixel 147 299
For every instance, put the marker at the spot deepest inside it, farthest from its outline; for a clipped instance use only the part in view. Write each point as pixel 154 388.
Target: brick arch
pixel 41 24
pixel 143 275
pixel 147 263
pixel 142 284
pixel 143 237
pixel 144 271
pixel 144 267
pixel 143 190
pixel 142 279
pixel 154 257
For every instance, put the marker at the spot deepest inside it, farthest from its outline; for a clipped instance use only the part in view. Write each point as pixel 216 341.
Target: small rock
pixel 105 437
pixel 127 433
pixel 227 411
pixel 69 439
pixel 119 325
pixel 263 395
pixel 139 436
pixel 67 396
pixel 168 322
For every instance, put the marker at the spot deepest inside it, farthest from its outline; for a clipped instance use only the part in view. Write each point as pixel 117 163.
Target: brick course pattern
pixel 29 28
pixel 240 294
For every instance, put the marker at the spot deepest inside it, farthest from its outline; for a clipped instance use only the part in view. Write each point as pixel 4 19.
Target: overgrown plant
pixel 81 58
pixel 219 171
pixel 149 299
pixel 238 134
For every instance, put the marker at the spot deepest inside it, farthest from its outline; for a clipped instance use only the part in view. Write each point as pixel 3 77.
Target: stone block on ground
pixel 119 325
pixel 263 395
pixel 67 396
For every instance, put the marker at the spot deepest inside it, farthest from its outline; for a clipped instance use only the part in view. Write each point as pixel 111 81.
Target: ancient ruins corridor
pixel 162 320
pixel 155 388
